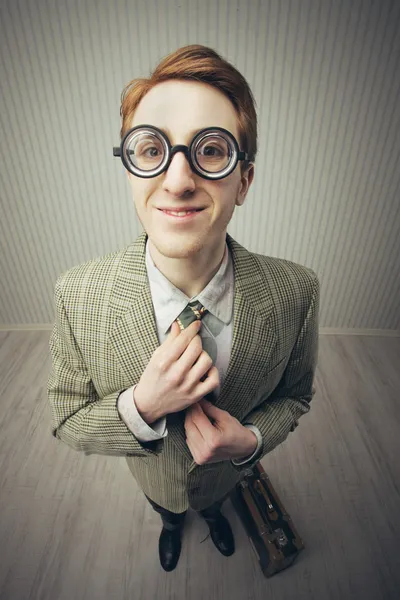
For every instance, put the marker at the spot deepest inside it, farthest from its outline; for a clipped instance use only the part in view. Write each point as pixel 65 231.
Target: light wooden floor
pixel 78 527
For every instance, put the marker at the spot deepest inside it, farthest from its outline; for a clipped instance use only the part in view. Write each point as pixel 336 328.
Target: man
pixel 184 352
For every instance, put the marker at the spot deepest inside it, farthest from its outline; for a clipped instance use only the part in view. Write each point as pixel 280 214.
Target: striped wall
pixel 326 79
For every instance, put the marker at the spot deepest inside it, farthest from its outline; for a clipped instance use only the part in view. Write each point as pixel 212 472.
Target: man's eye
pixel 150 151
pixel 211 151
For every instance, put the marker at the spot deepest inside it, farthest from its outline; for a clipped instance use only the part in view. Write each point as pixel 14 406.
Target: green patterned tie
pixel 192 312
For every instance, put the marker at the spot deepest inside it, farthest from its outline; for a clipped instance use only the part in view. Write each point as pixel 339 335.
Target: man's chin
pixel 171 246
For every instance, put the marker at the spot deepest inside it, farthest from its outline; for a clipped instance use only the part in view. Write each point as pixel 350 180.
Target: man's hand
pixel 213 435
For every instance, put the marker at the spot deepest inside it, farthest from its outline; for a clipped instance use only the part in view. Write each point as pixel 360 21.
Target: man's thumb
pixel 209 407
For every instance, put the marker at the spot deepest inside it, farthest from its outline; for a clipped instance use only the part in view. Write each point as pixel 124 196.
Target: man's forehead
pixel 200 107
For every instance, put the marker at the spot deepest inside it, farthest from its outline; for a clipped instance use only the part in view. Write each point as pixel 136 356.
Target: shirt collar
pixel 169 301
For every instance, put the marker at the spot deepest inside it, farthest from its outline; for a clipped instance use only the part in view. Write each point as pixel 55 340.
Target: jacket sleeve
pixel 279 414
pixel 130 415
pixel 257 452
pixel 79 417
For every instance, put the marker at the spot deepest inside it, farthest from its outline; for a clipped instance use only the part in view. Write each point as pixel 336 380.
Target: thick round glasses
pixel 146 151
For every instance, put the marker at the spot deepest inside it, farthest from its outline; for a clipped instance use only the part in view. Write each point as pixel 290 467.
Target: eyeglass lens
pixel 146 151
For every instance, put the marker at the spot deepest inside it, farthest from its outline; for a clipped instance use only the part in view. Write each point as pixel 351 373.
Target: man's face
pixel 180 108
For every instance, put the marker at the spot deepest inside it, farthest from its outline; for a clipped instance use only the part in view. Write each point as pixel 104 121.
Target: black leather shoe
pixel 221 534
pixel 169 548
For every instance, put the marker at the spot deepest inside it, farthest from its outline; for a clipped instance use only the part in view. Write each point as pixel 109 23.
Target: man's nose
pixel 179 176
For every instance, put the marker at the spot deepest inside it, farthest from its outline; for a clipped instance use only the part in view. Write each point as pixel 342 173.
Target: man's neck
pixel 188 275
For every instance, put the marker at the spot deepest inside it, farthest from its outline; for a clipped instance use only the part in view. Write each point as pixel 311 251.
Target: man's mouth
pixel 181 215
pixel 180 212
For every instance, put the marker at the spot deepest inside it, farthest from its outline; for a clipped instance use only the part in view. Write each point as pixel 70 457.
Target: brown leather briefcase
pixel 270 529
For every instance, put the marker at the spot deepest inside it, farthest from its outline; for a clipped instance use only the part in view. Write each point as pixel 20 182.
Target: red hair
pixel 199 63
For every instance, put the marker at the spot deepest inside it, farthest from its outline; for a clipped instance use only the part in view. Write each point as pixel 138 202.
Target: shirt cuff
pixel 255 429
pixel 129 414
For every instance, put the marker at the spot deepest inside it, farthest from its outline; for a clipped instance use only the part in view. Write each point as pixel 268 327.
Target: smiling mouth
pixel 187 216
pixel 188 211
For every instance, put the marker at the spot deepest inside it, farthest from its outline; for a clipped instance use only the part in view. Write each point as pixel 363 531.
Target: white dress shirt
pixel 169 302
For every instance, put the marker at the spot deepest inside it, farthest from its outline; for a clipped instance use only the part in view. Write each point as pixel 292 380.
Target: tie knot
pixel 192 312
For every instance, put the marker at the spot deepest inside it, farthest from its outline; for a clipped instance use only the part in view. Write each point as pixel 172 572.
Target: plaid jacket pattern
pixel 104 335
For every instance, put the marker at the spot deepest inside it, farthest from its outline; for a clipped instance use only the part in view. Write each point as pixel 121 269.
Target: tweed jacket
pixel 104 335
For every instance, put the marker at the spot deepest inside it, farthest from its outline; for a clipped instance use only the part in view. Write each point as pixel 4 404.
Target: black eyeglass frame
pixel 190 150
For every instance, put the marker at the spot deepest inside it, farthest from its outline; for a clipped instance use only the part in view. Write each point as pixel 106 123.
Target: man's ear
pixel 246 181
pixel 250 176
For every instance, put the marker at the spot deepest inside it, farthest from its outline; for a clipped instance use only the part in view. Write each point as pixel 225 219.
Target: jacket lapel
pixel 134 337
